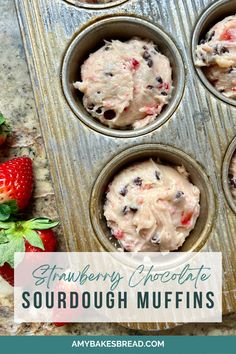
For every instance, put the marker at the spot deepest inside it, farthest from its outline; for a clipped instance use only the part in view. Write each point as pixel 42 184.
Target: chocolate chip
pixel 150 87
pixel 90 107
pixel 134 210
pixel 163 93
pixel 125 210
pixel 99 110
pixel 232 181
pixel 150 63
pixel 202 41
pixel 210 36
pixel 159 79
pixel 179 195
pixel 230 70
pixel 146 55
pixel 157 175
pixel 145 47
pixel 110 114
pixel 224 50
pixel 138 181
pixel 156 239
pixel 109 74
pixel 98 92
pixel 123 191
pixel 156 48
pixel 108 47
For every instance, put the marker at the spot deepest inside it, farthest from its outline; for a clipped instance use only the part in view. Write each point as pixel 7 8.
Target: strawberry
pixel 5 129
pixel 16 185
pixel 24 236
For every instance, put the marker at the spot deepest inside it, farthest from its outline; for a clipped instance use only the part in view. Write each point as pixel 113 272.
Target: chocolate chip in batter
pixel 159 79
pixel 138 181
pixel 150 87
pixel 146 55
pixel 110 114
pixel 123 191
pixel 210 36
pixel 90 106
pixel 163 93
pixel 109 74
pixel 156 48
pixel 134 210
pixel 127 209
pixel 156 239
pixel 179 195
pixel 150 63
pixel 224 50
pixel 202 41
pixel 230 70
pixel 157 175
pixel 99 110
pixel 232 181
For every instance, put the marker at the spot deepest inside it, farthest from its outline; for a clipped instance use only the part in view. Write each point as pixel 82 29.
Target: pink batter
pixel 151 207
pixel 217 54
pixel 126 84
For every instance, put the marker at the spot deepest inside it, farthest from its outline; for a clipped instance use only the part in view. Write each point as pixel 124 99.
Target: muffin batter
pixel 151 207
pixel 126 84
pixel 217 54
pixel 232 176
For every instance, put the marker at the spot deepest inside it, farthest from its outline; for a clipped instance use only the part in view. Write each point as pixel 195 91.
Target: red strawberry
pixel 16 185
pixel 4 129
pixel 24 236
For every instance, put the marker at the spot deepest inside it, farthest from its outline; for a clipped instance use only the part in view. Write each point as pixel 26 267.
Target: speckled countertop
pixel 17 104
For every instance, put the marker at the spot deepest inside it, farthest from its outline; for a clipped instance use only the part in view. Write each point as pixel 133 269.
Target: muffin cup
pixel 213 14
pixel 96 6
pixel 198 236
pixel 123 28
pixel 225 174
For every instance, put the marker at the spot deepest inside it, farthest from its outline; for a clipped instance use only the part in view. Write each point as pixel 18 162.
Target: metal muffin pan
pixel 96 6
pixel 225 174
pixel 83 158
pixel 123 28
pixel 171 156
pixel 213 14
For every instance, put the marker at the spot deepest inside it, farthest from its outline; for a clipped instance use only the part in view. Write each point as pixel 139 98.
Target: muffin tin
pixel 195 131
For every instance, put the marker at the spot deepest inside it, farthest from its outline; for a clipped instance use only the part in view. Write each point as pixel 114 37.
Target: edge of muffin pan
pixel 122 27
pixel 96 6
pixel 225 174
pixel 167 154
pixel 210 16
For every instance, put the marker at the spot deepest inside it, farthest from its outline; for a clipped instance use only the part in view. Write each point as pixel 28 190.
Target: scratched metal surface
pixel 202 125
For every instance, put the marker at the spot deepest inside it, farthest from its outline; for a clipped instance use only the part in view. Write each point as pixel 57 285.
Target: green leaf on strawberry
pixel 7 209
pixel 5 129
pixel 7 250
pixel 25 236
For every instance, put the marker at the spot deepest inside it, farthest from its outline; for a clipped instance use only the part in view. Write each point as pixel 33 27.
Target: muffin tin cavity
pixel 170 156
pixel 123 28
pixel 211 16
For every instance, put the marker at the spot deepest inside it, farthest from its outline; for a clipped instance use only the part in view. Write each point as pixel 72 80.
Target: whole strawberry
pixel 5 129
pixel 24 236
pixel 16 185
